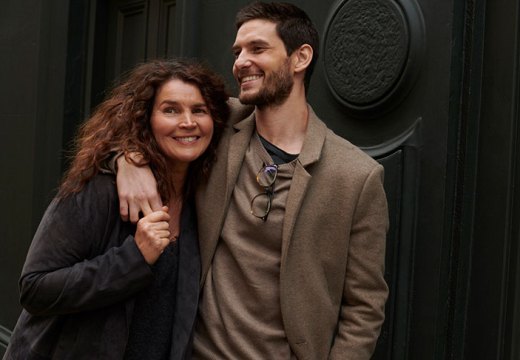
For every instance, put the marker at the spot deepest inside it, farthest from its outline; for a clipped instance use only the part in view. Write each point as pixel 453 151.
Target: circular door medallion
pixel 367 50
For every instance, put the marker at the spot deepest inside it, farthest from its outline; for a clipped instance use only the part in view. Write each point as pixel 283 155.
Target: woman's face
pixel 181 122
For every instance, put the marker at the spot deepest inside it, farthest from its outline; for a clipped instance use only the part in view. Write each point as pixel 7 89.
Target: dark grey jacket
pixel 80 277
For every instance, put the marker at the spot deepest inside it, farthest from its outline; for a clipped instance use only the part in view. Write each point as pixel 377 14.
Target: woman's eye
pixel 200 111
pixel 170 110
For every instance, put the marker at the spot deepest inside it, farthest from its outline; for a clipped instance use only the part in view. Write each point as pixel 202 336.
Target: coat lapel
pixel 311 151
pixel 213 201
pixel 187 284
pixel 237 148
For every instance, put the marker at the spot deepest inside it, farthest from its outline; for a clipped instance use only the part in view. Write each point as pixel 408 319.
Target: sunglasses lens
pixel 267 175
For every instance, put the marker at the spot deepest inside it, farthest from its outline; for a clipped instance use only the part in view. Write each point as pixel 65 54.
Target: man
pixel 292 220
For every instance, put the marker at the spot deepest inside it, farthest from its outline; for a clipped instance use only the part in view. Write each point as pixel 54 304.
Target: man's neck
pixel 284 125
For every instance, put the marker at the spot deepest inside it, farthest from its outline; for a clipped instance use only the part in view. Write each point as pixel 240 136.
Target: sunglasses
pixel 261 203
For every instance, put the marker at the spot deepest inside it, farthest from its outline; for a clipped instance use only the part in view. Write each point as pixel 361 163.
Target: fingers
pixel 160 244
pixel 158 216
pixel 123 210
pixel 131 208
pixel 163 234
pixel 156 203
pixel 129 211
pixel 146 208
pixel 137 189
pixel 134 212
pixel 153 234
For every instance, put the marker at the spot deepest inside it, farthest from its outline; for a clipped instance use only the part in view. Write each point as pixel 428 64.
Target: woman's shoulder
pixel 99 193
pixel 102 182
pixel 101 185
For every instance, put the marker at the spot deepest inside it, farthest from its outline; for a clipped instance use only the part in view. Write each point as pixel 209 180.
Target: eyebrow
pixel 174 102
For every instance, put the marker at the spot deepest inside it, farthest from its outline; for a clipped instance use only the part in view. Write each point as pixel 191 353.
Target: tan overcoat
pixel 332 290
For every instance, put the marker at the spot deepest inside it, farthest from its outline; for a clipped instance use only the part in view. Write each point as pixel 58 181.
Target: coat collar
pixel 312 145
pixel 314 140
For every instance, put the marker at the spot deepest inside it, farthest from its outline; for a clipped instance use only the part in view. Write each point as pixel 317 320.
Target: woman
pixel 95 287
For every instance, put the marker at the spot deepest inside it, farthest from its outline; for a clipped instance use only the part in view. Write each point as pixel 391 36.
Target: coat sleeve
pixel 75 261
pixel 365 290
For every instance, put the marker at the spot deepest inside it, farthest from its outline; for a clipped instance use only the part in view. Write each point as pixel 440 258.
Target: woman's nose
pixel 188 121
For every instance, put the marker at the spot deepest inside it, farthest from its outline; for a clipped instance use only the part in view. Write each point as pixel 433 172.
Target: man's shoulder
pixel 343 154
pixel 238 111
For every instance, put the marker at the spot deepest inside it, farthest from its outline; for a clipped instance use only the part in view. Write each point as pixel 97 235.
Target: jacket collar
pixel 312 144
pixel 314 140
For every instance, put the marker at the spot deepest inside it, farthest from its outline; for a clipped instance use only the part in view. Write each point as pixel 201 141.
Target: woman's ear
pixel 302 58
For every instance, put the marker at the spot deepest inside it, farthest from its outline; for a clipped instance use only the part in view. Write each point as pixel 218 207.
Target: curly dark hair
pixel 293 26
pixel 122 123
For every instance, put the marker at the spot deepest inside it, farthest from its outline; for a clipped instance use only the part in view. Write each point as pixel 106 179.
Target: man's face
pixel 262 66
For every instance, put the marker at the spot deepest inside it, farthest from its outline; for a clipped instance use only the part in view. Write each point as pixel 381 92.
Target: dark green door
pixel 428 88
pixel 376 86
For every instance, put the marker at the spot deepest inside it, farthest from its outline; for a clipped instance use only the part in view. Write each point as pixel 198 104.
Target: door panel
pixel 131 32
pixel 400 158
pixel 128 30
pixel 391 99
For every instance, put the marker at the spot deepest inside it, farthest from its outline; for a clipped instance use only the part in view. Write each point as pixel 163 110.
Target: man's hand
pixel 153 234
pixel 137 190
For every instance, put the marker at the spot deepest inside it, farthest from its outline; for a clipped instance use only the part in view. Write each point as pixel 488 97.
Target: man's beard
pixel 275 90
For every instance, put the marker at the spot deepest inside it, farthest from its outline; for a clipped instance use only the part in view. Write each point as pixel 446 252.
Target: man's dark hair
pixel 293 26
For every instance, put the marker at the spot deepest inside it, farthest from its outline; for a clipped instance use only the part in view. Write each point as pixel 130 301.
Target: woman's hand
pixel 137 190
pixel 153 234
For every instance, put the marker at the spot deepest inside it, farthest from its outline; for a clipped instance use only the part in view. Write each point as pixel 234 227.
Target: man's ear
pixel 302 58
